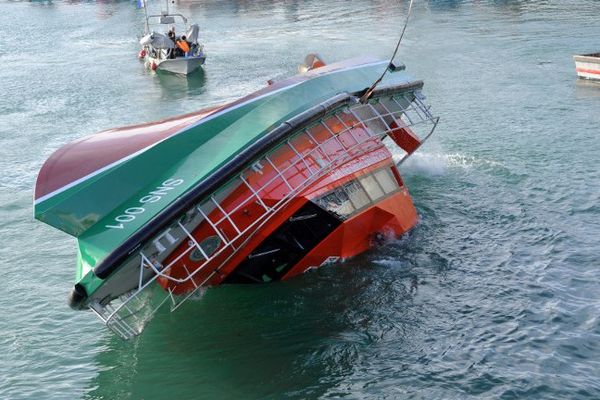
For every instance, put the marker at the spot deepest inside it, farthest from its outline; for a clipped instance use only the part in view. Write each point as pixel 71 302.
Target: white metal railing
pixel 128 314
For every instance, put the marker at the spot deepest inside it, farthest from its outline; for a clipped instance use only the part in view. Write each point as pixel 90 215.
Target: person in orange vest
pixel 183 45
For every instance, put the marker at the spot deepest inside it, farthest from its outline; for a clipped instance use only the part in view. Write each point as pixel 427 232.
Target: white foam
pixel 435 164
pixel 426 164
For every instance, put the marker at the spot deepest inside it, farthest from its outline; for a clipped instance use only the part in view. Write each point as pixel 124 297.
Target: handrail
pixel 237 208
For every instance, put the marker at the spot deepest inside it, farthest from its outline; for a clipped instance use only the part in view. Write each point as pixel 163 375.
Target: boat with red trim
pixel 297 175
pixel 588 66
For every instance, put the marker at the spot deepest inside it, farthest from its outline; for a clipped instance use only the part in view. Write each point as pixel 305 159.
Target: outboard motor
pixel 192 33
pixel 311 61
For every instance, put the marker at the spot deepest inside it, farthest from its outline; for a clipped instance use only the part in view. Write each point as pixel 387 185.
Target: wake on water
pixel 436 164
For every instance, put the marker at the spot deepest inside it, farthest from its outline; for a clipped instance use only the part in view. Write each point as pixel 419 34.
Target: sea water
pixel 496 292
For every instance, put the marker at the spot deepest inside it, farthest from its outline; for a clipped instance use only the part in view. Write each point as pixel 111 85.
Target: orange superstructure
pixel 339 215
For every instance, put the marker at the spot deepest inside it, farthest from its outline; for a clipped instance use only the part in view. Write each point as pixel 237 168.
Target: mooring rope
pixel 369 91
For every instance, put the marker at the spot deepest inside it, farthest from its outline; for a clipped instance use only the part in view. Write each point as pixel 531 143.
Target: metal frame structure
pixel 128 314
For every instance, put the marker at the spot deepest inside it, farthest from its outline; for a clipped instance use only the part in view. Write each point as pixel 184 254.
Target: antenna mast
pixel 369 91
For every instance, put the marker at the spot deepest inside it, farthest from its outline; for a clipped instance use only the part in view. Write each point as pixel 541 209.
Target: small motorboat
pixel 300 174
pixel 170 52
pixel 588 66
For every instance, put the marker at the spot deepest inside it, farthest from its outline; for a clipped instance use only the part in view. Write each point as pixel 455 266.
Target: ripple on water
pixel 494 294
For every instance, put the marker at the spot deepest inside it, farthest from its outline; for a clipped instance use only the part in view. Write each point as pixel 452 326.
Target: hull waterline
pixel 183 66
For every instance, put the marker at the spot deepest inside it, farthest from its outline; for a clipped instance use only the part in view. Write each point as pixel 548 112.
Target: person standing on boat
pixel 171 35
pixel 183 45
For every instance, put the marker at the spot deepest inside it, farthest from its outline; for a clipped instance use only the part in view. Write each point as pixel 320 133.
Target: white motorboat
pixel 170 52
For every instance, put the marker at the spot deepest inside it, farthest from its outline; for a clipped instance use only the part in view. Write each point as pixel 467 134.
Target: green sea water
pixel 495 294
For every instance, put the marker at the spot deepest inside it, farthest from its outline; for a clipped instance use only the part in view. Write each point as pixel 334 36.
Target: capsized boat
pixel 588 66
pixel 176 54
pixel 297 175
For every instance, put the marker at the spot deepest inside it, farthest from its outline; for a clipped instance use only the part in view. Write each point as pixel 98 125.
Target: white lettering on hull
pixel 154 196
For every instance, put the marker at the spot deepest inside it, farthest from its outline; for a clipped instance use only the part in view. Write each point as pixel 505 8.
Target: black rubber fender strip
pixel 77 297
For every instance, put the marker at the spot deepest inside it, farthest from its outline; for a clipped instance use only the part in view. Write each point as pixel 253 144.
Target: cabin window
pixel 386 180
pixel 286 246
pixel 357 194
pixel 396 105
pixel 369 117
pixel 337 202
pixel 373 189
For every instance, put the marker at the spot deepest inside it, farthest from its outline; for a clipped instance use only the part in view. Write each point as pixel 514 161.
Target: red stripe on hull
pixel 588 71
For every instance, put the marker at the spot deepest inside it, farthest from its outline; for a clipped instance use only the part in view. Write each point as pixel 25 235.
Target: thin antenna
pixel 369 91
pixel 146 16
